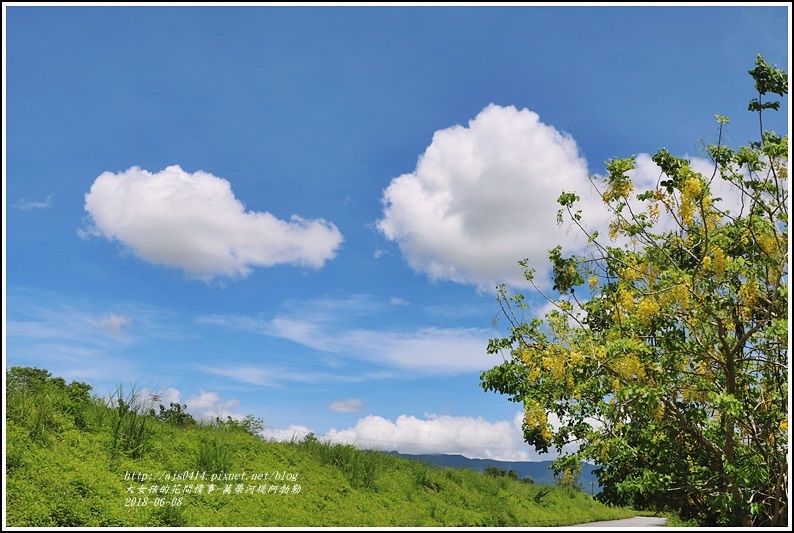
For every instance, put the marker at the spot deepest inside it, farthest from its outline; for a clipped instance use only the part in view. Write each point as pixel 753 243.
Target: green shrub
pixel 175 415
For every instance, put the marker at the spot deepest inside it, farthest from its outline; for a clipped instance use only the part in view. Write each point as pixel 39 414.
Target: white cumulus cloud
pixel 475 438
pixel 290 434
pixel 210 405
pixel 194 222
pixel 483 197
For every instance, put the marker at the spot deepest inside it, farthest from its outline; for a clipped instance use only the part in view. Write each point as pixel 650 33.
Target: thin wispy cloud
pixel 27 205
pixel 193 221
pixel 75 338
pixel 246 374
pixel 349 405
pixel 425 350
pixel 47 316
pixel 280 377
pixel 114 323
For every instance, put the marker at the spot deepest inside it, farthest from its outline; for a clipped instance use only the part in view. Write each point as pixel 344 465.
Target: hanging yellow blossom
pixel 535 418
pixel 630 367
pixel 555 365
pixel 719 262
pixel 647 309
pixel 625 299
pixel 657 412
pixel 653 210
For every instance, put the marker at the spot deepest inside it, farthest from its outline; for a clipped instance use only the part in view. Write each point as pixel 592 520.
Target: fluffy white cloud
pixel 292 433
pixel 210 405
pixel 472 437
pixel 350 405
pixel 483 197
pixel 244 374
pixel 194 222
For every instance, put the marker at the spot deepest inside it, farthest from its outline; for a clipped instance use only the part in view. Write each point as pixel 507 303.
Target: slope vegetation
pixel 73 459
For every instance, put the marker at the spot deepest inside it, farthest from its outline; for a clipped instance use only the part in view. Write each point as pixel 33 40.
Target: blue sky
pixel 301 213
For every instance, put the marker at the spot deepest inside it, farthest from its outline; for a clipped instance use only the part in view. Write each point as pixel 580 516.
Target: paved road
pixel 637 521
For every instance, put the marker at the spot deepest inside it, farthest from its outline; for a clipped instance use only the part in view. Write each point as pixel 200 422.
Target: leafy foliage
pixel 176 414
pixel 673 374
pixel 75 476
pixel 250 424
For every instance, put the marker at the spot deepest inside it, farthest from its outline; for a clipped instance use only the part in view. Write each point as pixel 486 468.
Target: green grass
pixel 77 461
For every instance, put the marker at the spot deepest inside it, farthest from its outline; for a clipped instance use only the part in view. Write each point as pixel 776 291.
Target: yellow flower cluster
pixel 555 365
pixel 647 309
pixel 576 358
pixel 630 367
pixel 703 368
pixel 657 412
pixel 625 299
pixel 535 417
pixel 618 189
pixel 692 188
pixel 614 229
pixel 720 261
pixel 768 244
pixel 525 354
pixel 600 352
pixel 689 192
pixel 629 274
pixel 678 294
pixel 653 210
pixel 748 293
pixel 685 212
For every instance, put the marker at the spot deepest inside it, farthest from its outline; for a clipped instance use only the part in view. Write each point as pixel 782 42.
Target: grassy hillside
pixel 73 459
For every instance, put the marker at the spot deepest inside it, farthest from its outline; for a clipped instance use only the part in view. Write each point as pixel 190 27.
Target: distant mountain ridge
pixel 539 472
